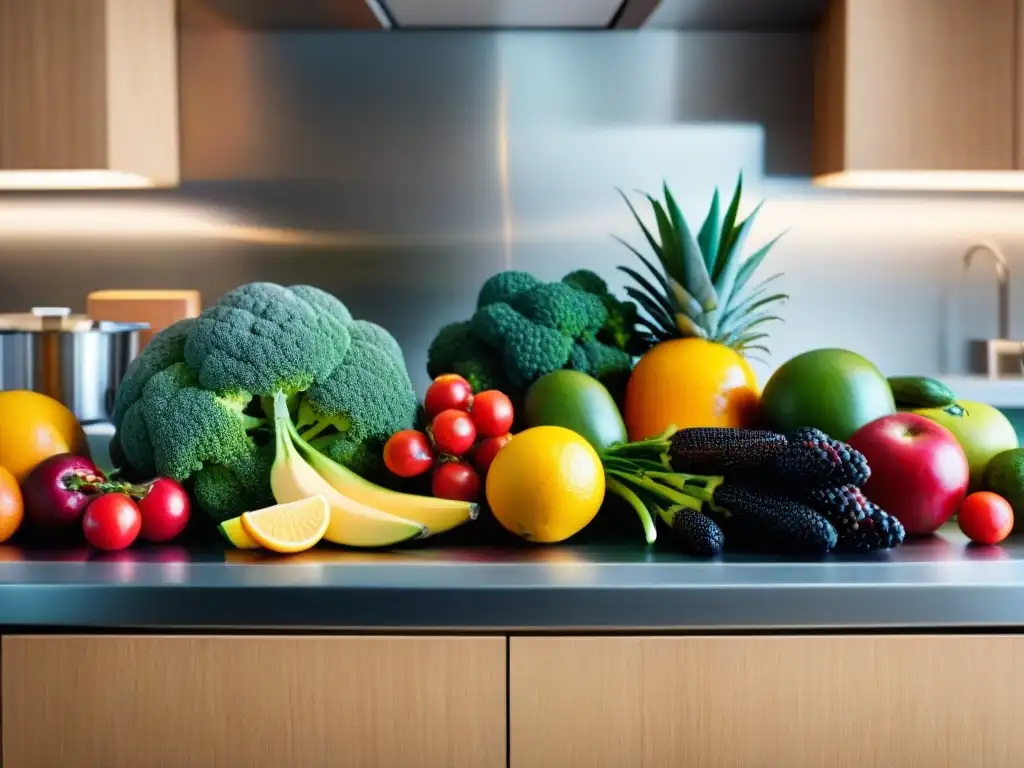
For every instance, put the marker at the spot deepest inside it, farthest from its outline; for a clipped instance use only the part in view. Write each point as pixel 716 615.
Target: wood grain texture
pixel 89 85
pixel 224 702
pixel 924 85
pixel 767 702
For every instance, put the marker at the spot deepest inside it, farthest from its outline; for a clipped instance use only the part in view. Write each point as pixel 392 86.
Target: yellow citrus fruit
pixel 546 484
pixel 34 427
pixel 690 383
pixel 292 527
pixel 12 508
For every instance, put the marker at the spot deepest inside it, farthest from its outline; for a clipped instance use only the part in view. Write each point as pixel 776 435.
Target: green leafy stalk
pixel 624 493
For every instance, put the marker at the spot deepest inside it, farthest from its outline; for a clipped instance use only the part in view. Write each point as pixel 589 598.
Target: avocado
pixel 576 401
pixel 920 392
pixel 1005 476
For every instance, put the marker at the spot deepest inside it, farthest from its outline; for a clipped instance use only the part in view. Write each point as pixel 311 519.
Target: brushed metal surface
pixel 938 582
pixel 503 13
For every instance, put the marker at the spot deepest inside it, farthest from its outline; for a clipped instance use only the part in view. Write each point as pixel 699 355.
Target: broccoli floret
pixel 619 329
pixel 223 492
pixel 457 349
pixel 504 286
pixel 164 348
pixel 352 413
pixel 323 301
pixel 528 350
pixel 599 360
pixel 263 338
pixel 567 310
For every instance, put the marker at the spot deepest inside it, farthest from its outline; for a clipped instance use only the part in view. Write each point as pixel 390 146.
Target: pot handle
pixel 52 318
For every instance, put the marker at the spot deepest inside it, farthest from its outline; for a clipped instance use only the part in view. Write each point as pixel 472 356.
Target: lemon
pixel 546 484
pixel 234 532
pixel 292 527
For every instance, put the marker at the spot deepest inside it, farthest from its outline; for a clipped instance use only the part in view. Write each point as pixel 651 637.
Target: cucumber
pixel 576 401
pixel 920 392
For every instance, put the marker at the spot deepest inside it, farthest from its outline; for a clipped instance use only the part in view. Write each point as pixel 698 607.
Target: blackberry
pixel 812 460
pixel 785 524
pixel 878 530
pixel 695 531
pixel 722 451
pixel 842 505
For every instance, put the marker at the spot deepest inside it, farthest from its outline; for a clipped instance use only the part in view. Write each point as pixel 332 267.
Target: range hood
pixel 88 94
pixel 687 15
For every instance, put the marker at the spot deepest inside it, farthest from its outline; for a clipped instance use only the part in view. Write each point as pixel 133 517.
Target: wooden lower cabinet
pixel 767 702
pixel 227 702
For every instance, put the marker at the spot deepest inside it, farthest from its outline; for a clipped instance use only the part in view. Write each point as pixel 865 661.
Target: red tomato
pixel 485 451
pixel 448 391
pixel 408 453
pixel 111 521
pixel 165 511
pixel 453 431
pixel 492 413
pixel 456 480
pixel 985 517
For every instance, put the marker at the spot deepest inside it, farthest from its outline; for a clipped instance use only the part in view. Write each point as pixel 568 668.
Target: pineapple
pixel 702 321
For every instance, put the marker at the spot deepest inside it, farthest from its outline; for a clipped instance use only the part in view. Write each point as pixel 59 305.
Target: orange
pixel 34 427
pixel 690 383
pixel 12 510
pixel 546 484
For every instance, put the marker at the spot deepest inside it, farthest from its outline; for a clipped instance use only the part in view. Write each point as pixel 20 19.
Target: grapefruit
pixel 835 390
pixel 982 431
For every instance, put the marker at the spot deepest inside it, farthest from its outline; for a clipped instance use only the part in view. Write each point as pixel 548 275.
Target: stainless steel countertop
pixel 940 582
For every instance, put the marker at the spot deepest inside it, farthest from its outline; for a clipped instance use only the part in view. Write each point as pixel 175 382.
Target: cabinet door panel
pixel 223 702
pixel 771 702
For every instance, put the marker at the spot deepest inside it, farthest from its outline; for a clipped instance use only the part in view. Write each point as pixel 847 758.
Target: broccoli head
pixel 191 406
pixel 524 328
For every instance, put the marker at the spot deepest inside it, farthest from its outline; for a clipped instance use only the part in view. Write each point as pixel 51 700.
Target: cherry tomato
pixel 453 432
pixel 408 453
pixel 492 413
pixel 165 511
pixel 457 481
pixel 447 391
pixel 985 517
pixel 485 451
pixel 111 521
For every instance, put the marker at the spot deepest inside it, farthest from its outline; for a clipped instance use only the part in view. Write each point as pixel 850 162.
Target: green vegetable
pixel 578 402
pixel 920 392
pixel 194 404
pixel 524 328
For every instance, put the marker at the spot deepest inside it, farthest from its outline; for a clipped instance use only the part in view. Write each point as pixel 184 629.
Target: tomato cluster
pixel 464 434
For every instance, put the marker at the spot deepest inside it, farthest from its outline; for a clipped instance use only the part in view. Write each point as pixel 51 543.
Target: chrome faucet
pixel 1001 356
pixel 1002 275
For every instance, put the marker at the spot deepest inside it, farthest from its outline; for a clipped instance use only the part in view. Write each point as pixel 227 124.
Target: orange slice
pixel 292 527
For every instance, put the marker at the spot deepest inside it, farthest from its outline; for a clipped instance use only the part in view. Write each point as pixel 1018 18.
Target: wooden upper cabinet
pixel 916 85
pixel 88 94
pixel 258 702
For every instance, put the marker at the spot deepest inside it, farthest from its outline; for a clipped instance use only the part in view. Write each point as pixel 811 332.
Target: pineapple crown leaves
pixel 698 284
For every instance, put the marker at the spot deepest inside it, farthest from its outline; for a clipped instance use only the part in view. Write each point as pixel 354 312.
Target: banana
pixel 353 523
pixel 438 515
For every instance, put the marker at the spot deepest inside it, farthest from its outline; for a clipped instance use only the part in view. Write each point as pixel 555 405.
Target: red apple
pixel 919 472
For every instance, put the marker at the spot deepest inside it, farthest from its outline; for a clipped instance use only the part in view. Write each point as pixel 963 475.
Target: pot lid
pixel 60 319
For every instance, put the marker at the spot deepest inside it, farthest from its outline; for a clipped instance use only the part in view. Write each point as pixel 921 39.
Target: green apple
pixel 981 430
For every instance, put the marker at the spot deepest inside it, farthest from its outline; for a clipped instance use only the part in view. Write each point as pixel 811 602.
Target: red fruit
pixel 985 517
pixel 919 472
pixel 457 481
pixel 485 451
pixel 165 510
pixel 112 521
pixel 492 413
pixel 408 453
pixel 453 432
pixel 51 503
pixel 448 390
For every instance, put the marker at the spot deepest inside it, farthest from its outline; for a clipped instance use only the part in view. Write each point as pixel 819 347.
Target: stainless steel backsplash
pixel 399 170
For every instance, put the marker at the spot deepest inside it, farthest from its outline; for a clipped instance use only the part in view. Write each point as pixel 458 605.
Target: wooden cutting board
pixel 158 308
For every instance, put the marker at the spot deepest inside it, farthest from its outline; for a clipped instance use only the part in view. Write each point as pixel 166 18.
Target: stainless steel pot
pixel 78 361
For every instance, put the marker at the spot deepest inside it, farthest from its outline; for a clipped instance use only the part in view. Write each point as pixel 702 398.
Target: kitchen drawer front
pixel 767 702
pixel 223 702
